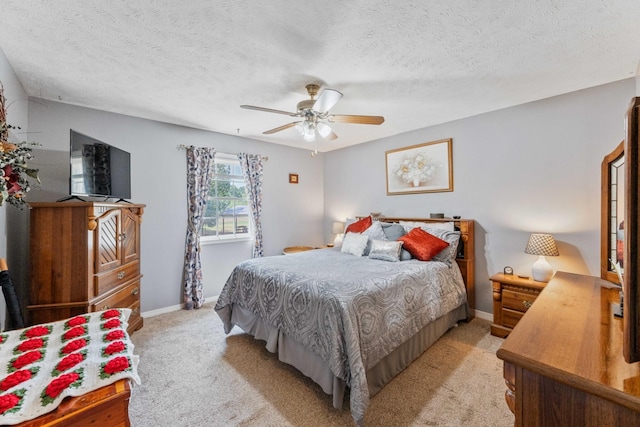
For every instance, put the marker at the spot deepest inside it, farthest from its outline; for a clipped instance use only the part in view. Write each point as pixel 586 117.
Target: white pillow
pixel 428 226
pixel 385 250
pixel 354 243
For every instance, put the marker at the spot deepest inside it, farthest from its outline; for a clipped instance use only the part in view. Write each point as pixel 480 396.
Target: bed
pixel 351 321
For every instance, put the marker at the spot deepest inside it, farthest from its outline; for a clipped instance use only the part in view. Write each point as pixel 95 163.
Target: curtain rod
pixel 184 147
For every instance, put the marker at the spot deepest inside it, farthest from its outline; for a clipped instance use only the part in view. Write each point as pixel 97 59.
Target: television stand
pixel 64 199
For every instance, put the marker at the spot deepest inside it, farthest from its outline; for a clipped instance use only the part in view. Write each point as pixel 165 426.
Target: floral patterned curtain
pixel 200 169
pixel 251 165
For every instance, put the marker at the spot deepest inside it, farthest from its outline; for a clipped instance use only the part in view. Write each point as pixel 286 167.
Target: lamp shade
pixel 541 244
pixel 337 227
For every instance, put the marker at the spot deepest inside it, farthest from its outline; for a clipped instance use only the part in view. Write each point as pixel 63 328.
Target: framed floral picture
pixel 422 168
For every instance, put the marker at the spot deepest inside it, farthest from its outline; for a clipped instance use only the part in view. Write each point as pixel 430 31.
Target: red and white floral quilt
pixel 41 365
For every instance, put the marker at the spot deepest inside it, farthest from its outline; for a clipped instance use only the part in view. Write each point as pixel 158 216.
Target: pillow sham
pixel 448 254
pixel 359 226
pixel 385 250
pixel 428 226
pixel 422 245
pixel 354 244
pixel 374 232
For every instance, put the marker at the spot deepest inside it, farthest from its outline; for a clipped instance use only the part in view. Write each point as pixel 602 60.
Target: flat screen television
pixel 98 169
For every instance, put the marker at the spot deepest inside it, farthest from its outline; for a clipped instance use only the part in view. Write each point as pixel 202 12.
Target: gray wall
pixel 533 167
pixel 292 214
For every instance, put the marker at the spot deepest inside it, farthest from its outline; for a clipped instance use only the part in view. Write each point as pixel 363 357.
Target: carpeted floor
pixel 194 375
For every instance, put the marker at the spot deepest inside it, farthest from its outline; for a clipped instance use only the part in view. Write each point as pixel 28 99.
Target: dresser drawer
pixel 118 276
pixel 126 297
pixel 518 299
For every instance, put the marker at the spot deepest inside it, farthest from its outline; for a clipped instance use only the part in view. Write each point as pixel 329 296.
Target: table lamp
pixel 542 245
pixel 337 228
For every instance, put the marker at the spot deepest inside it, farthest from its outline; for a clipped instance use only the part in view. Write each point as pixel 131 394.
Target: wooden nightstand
pixel 512 297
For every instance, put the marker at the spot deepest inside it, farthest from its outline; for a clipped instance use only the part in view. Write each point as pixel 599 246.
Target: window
pixel 227 211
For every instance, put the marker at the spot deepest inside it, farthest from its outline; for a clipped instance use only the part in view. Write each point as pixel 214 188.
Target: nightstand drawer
pixel 518 300
pixel 512 297
pixel 511 317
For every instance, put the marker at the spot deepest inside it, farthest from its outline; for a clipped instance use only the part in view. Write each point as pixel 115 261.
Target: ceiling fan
pixel 315 113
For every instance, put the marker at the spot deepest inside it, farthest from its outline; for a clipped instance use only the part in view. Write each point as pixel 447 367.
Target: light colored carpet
pixel 194 375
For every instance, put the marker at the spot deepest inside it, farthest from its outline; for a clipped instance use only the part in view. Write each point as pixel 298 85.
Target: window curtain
pixel 251 165
pixel 200 169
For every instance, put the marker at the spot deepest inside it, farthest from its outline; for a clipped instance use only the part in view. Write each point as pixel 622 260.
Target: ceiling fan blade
pixel 326 132
pixel 327 99
pixel 268 110
pixel 279 128
pixel 363 120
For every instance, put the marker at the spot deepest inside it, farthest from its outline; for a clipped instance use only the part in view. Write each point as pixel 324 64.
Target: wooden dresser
pixel 563 363
pixel 84 256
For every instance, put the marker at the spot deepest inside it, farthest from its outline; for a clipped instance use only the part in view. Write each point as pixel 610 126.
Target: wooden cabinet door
pixel 130 236
pixel 108 241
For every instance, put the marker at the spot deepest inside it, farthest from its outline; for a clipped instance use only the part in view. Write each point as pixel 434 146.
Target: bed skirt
pixel 312 366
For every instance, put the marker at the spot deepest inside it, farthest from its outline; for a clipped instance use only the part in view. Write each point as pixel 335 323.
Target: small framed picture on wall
pixel 293 178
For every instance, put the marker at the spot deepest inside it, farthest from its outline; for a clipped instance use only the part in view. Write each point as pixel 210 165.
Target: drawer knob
pixel 135 291
pixel 527 304
pixel 105 307
pixel 135 311
pixel 121 275
pixel 122 237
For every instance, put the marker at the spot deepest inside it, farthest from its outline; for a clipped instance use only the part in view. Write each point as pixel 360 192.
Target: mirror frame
pixel 631 311
pixel 606 270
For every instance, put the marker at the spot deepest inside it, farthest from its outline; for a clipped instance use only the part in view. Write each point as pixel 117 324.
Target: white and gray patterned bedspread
pixel 351 311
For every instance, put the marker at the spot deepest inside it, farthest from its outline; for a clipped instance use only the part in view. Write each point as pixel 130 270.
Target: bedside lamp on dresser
pixel 542 245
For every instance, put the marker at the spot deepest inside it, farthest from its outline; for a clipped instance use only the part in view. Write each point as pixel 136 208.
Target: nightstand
pixel 512 297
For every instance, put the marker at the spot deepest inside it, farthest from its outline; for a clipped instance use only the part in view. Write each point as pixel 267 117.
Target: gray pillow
pixel 405 255
pixel 393 231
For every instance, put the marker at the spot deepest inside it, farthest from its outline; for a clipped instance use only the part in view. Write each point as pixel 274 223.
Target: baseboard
pixel 159 311
pixel 484 315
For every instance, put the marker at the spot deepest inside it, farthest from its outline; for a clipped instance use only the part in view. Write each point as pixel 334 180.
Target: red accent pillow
pixel 422 245
pixel 359 226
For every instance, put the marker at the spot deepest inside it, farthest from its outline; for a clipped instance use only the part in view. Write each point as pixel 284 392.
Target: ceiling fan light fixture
pixel 313 111
pixel 309 134
pixel 324 130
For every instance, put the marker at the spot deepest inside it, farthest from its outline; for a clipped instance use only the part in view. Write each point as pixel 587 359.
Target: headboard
pixel 465 258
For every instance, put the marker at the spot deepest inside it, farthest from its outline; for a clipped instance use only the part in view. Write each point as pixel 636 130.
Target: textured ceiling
pixel 417 63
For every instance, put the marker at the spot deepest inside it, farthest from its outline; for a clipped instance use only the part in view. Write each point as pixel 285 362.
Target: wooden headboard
pixel 465 258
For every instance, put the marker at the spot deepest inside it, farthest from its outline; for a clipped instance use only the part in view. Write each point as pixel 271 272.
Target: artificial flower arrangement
pixel 14 172
pixel 416 169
